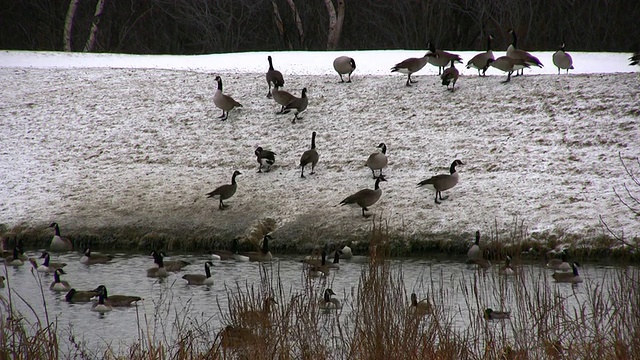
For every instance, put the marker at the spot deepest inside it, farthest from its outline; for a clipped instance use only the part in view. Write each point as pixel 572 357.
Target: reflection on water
pixel 170 302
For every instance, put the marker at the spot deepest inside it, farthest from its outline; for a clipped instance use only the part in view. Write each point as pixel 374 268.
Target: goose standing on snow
pixel 562 60
pixel 441 58
pixel 515 53
pixel 117 300
pixel 450 76
pixel 365 197
pixel 443 182
pixel 200 279
pixel 490 314
pixel 58 284
pixel 309 156
pixel 59 243
pixel 265 158
pixel 297 106
pixel 273 77
pixel 223 102
pixel 480 61
pixel 282 97
pixel 344 65
pixel 568 277
pixel 508 65
pixel 89 258
pixel 412 65
pixel 223 192
pixel 377 160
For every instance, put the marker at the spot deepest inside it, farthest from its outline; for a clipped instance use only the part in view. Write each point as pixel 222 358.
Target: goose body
pixel 568 277
pixel 481 60
pixel 101 306
pixel 515 53
pixel 226 254
pixel 59 243
pixel 170 265
pixel 450 76
pixel 309 157
pixel 297 106
pixel 559 264
pixel 562 60
pixel 490 314
pixel 258 318
pixel 76 296
pixel 507 269
pixel 474 252
pixel 282 97
pixel 200 279
pixel 344 65
pixel 89 258
pixel 16 259
pixel 223 102
pixel 328 302
pixel 264 254
pixel 159 270
pixel 443 182
pixel 117 300
pixel 508 65
pixel 378 160
pixel 365 197
pixel 265 158
pixel 441 58
pixel 273 77
pixel 47 265
pixel 422 307
pixel 58 284
pixel 317 267
pixel 412 65
pixel 345 253
pixel 224 192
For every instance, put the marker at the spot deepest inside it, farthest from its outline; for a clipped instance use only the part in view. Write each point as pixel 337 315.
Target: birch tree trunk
pixel 296 17
pixel 91 41
pixel 335 23
pixel 68 24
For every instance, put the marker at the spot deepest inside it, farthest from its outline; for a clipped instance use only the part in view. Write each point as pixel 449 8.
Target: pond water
pixel 171 298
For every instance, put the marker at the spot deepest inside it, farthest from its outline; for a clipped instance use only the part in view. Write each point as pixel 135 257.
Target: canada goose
pixel 562 60
pixel 317 267
pixel 223 192
pixel 58 284
pixel 309 156
pixel 336 260
pixel 265 158
pixel 199 279
pixel 365 197
pixel 475 252
pixel 226 254
pixel 558 264
pixel 90 258
pixel 47 266
pixel 2 279
pixel 159 270
pixel 480 263
pixel 16 258
pixel 329 303
pixel 264 254
pixel 223 102
pixel 377 160
pixel 422 307
pixel 59 243
pixel 635 59
pixel 480 61
pixel 507 269
pixel 568 277
pixel 490 314
pixel 75 296
pixel 273 77
pixel 412 65
pixel 344 65
pixel 170 265
pixel 311 260
pixel 443 182
pixel 514 52
pixel 450 76
pixel 508 65
pixel 441 58
pixel 101 306
pixel 257 318
pixel 117 300
pixel 345 253
pixel 282 97
pixel 297 106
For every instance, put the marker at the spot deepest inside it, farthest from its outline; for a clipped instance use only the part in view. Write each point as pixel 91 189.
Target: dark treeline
pixel 211 26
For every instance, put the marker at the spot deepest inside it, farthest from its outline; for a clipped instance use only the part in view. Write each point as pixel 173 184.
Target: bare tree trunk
pixel 280 25
pixel 68 24
pixel 296 16
pixel 91 41
pixel 335 23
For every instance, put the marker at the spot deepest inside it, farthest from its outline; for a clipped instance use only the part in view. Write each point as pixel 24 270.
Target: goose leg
pixel 508 78
pixel 269 92
pixel 302 172
pixel 373 173
pixel 350 77
pixel 363 214
pixel 341 79
pixel 260 168
pixel 224 116
pixel 312 169
pixel 295 117
pixel 437 192
pixel 408 83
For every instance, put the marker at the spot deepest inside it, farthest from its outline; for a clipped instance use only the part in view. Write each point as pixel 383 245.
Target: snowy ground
pixel 98 141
